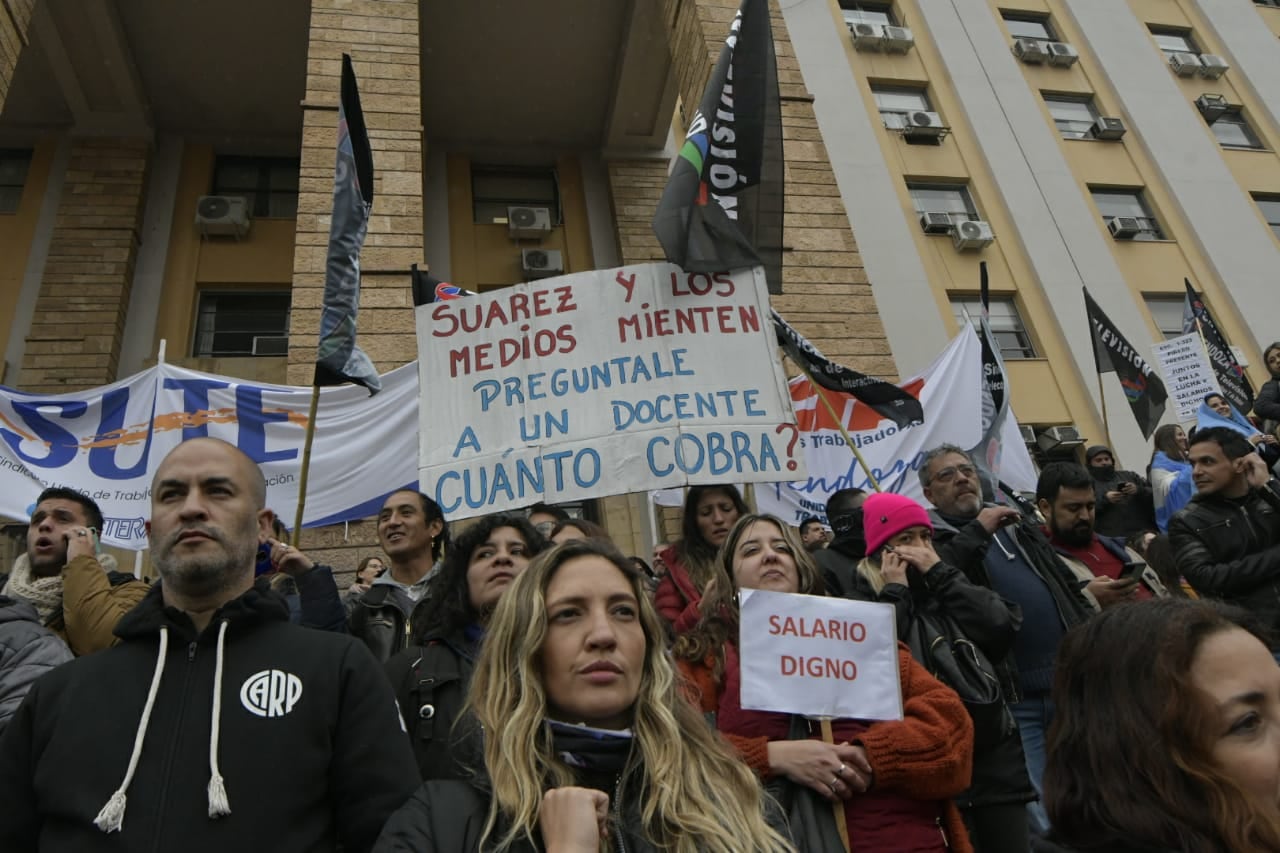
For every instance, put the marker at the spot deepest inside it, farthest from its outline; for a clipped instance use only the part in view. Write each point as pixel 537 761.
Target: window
pixel 951 199
pixel 1113 203
pixel 1270 207
pixel 857 12
pixel 1073 115
pixel 1174 41
pixel 1167 312
pixel 494 188
pixel 231 324
pixel 14 164
pixel 1006 324
pixel 1232 131
pixel 895 102
pixel 1272 3
pixel 269 185
pixel 1028 27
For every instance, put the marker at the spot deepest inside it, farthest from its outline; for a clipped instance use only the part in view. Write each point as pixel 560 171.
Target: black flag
pixel 1231 378
pixel 887 399
pixel 1112 353
pixel 723 204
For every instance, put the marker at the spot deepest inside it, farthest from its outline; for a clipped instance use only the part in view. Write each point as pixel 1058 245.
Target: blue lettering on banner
pixel 102 460
pixel 665 408
pixel 195 398
pixel 62 444
pixel 493 481
pixel 468 439
pixel 714 453
pixel 624 370
pixel 253 426
pixel 891 479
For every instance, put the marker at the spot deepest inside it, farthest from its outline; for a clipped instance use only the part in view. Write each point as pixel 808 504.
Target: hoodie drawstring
pixel 111 818
pixel 219 805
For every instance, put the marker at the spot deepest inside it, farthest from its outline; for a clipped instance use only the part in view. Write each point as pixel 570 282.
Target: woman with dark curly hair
pixel 431 676
pixel 709 513
pixel 1167 734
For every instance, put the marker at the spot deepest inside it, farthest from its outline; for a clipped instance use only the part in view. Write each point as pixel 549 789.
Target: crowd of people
pixel 1093 670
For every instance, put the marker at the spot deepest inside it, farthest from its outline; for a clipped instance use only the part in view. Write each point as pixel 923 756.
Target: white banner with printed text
pixel 1188 373
pixel 601 383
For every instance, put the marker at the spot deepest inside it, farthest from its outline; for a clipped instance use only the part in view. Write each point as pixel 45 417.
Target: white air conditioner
pixel 1030 51
pixel 270 344
pixel 935 223
pixel 1028 433
pixel 1184 64
pixel 921 124
pixel 1061 53
pixel 1063 435
pixel 528 222
pixel 541 263
pixel 1124 227
pixel 1107 127
pixel 972 234
pixel 866 36
pixel 1212 106
pixel 1213 66
pixel 221 214
pixel 897 40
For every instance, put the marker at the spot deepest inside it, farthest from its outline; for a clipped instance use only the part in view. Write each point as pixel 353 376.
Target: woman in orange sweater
pixel 896 779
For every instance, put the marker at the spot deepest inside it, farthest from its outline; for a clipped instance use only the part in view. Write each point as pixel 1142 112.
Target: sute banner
pixel 601 383
pixel 108 442
pixel 1187 372
pixel 950 390
pixel 819 656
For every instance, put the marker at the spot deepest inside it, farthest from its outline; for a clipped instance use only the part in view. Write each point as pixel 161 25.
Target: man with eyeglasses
pixel 997 547
pixel 544 517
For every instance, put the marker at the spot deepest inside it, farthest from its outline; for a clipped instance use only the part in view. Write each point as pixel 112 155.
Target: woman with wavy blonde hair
pixel 587 741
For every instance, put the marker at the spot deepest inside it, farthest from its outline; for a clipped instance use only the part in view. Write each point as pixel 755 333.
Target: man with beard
pixel 64 575
pixel 1065 497
pixel 1123 498
pixel 839 560
pixel 996 547
pixel 224 725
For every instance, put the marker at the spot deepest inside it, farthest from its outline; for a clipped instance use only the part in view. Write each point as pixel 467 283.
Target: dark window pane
pixel 1037 28
pixel 227 324
pixel 14 165
pixel 269 185
pixel 494 188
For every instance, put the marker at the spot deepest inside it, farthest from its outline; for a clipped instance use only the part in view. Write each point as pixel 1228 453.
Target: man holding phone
pixel 64 575
pixel 1109 572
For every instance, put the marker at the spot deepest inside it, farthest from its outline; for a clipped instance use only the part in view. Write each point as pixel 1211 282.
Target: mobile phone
pixel 1132 571
pixel 263 564
pixel 93 537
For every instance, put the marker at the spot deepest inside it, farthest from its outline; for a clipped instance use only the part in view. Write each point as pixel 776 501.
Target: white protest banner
pixel 600 383
pixel 818 656
pixel 1188 374
pixel 950 390
pixel 108 442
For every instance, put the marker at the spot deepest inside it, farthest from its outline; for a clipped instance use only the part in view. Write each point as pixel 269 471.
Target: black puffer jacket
pixel 431 683
pixel 1230 549
pixel 991 623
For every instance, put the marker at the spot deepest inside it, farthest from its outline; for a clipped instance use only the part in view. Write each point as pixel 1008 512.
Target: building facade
pixel 166 176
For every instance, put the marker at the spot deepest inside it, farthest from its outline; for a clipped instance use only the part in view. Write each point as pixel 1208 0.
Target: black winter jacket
pixel 381 618
pixel 308 741
pixel 431 685
pixel 999 770
pixel 1128 517
pixel 1267 404
pixel 1230 549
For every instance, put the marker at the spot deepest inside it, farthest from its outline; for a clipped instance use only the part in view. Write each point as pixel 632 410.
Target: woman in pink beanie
pixel 901 568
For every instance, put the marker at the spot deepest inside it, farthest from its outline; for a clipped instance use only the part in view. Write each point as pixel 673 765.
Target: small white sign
pixel 819 657
pixel 1187 373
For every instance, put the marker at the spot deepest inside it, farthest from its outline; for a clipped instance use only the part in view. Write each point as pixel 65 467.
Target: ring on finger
pixel 840 772
pixel 835 780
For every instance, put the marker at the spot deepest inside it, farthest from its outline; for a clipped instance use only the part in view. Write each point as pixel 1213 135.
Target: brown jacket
pixel 93 600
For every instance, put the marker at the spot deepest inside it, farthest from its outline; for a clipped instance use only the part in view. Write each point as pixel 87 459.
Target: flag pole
pixel 848 440
pixel 306 465
pixel 1102 396
pixel 838 806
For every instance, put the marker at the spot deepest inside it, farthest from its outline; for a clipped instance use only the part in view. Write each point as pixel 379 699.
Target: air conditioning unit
pixel 1028 433
pixel 541 263
pixel 922 125
pixel 1124 227
pixel 1061 53
pixel 935 223
pixel 221 214
pixel 897 40
pixel 866 36
pixel 1060 437
pixel 1184 64
pixel 1213 66
pixel 528 223
pixel 1030 51
pixel 972 234
pixel 1107 127
pixel 270 344
pixel 1212 107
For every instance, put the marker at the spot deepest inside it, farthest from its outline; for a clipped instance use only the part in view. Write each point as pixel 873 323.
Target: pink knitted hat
pixel 885 515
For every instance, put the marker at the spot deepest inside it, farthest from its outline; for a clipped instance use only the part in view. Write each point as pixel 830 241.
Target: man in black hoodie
pixel 839 560
pixel 1123 497
pixel 216 723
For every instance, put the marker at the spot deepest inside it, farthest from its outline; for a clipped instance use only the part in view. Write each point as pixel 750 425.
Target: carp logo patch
pixel 270 693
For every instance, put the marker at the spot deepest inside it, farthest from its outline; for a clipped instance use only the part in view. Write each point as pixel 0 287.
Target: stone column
pixel 15 18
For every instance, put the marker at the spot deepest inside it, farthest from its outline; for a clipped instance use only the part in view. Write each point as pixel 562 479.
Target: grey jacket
pixel 27 651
